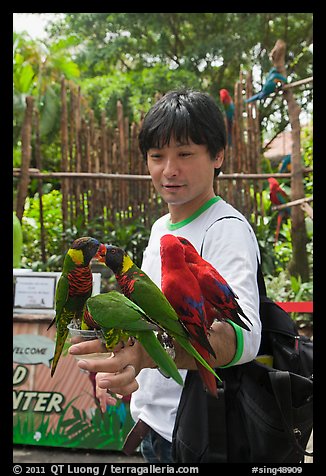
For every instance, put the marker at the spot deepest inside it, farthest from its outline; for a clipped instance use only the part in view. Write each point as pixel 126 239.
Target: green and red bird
pixel 139 288
pixel 182 290
pixel 73 289
pixel 278 197
pixel 220 300
pixel 229 109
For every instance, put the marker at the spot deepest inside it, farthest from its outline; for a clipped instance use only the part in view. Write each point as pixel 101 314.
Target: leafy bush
pixel 32 257
pixel 133 237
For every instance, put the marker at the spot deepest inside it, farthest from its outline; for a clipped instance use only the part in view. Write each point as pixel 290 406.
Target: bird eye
pixel 113 251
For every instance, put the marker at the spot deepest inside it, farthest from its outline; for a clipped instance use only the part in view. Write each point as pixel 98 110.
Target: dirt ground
pixel 39 454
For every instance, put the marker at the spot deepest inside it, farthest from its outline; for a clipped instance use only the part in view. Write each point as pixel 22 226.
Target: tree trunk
pixel 299 263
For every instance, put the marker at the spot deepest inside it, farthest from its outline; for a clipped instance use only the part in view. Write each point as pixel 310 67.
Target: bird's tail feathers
pixel 208 379
pixel 188 347
pixel 253 98
pixel 58 350
pixel 153 347
pixel 236 318
pixel 202 340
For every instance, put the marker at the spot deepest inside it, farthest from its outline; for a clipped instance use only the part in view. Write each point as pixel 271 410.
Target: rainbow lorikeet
pixel 119 318
pixel 182 290
pixel 220 300
pixel 278 197
pixel 139 288
pixel 229 108
pixel 73 289
pixel 273 78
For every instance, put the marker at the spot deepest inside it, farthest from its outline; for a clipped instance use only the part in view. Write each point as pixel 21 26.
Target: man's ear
pixel 219 159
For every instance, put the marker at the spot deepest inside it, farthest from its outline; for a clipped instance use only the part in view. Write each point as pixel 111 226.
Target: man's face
pixel 182 173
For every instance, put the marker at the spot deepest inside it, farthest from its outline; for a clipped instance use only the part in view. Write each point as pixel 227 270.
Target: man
pixel 183 140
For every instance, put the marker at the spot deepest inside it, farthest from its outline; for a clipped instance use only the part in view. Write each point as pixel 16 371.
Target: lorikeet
pixel 139 288
pixel 272 79
pixel 278 196
pixel 119 318
pixel 220 300
pixel 229 107
pixel 183 292
pixel 73 289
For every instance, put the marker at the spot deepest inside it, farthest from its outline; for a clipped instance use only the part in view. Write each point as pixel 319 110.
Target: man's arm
pixel 121 368
pixel 223 341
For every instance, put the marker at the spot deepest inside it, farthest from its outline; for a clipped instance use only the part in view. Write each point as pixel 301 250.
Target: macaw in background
pixel 229 108
pixel 272 79
pixel 139 288
pixel 182 290
pixel 278 197
pixel 220 300
pixel 73 289
pixel 285 164
pixel 119 318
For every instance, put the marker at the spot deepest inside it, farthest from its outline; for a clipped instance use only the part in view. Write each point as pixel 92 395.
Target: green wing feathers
pixel 153 347
pixel 118 317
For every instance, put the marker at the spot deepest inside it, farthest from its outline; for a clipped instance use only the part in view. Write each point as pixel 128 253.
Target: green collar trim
pixel 202 209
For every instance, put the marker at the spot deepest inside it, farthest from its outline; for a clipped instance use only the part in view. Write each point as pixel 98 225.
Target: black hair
pixel 184 114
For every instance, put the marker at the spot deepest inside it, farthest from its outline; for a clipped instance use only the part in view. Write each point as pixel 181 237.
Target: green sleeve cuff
pixel 239 351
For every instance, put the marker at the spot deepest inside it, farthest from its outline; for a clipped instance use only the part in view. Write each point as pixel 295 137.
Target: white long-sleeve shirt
pixel 230 245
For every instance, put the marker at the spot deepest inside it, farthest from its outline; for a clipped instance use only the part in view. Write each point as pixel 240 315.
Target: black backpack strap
pixel 281 384
pixel 260 277
pixel 260 280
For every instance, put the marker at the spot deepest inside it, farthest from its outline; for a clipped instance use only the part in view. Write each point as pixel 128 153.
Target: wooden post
pixel 38 161
pixel 299 262
pixel 26 157
pixel 64 156
pixel 104 160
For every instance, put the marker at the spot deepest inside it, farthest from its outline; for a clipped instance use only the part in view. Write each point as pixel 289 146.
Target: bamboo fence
pixel 104 177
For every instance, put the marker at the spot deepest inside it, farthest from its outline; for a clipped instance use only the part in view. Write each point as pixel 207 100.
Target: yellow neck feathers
pixel 127 263
pixel 76 255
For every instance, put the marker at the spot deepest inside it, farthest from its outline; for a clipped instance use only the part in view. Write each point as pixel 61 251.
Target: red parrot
pixel 220 300
pixel 229 107
pixel 278 197
pixel 182 290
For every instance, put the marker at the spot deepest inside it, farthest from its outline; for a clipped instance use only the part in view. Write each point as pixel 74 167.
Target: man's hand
pixel 102 394
pixel 121 367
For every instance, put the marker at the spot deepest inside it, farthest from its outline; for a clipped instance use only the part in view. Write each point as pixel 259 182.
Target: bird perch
pixel 300 201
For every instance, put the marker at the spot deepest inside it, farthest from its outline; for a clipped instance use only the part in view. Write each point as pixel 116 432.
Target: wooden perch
pixel 297 83
pixel 80 175
pixel 293 203
pixel 307 208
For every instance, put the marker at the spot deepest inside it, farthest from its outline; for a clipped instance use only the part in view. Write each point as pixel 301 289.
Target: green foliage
pixel 17 241
pixel 307 148
pixel 97 431
pixel 135 89
pixel 284 287
pixel 32 232
pixel 132 56
pixel 133 237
